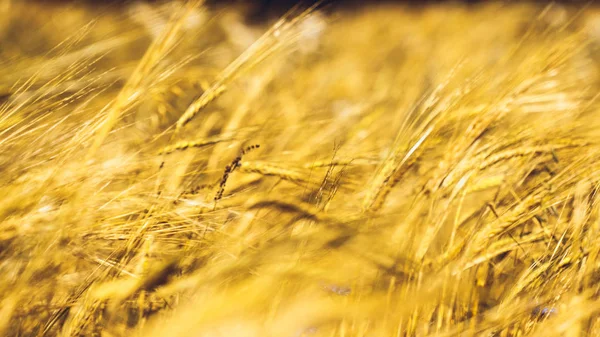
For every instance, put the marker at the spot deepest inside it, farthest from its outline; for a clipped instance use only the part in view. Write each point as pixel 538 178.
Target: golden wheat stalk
pixel 284 33
pixel 488 159
pixel 302 209
pixel 134 88
pixel 275 170
pixel 524 151
pixel 182 145
pixel 390 173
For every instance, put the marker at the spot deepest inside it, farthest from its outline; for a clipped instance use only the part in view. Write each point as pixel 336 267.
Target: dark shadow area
pixel 262 10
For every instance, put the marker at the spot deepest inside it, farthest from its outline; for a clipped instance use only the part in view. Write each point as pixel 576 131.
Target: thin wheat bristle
pixel 182 145
pixel 230 168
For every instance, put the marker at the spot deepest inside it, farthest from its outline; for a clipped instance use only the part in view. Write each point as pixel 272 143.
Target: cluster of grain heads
pixel 421 172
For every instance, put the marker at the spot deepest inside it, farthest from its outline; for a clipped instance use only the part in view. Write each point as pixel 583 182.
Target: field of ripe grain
pixel 168 169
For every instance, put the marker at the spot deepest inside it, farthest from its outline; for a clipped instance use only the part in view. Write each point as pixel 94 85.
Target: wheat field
pixel 169 169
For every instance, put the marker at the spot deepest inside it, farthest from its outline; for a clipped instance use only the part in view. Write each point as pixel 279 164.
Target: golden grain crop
pixel 169 169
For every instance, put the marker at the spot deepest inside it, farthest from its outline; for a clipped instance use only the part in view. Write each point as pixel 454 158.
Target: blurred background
pixel 259 10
